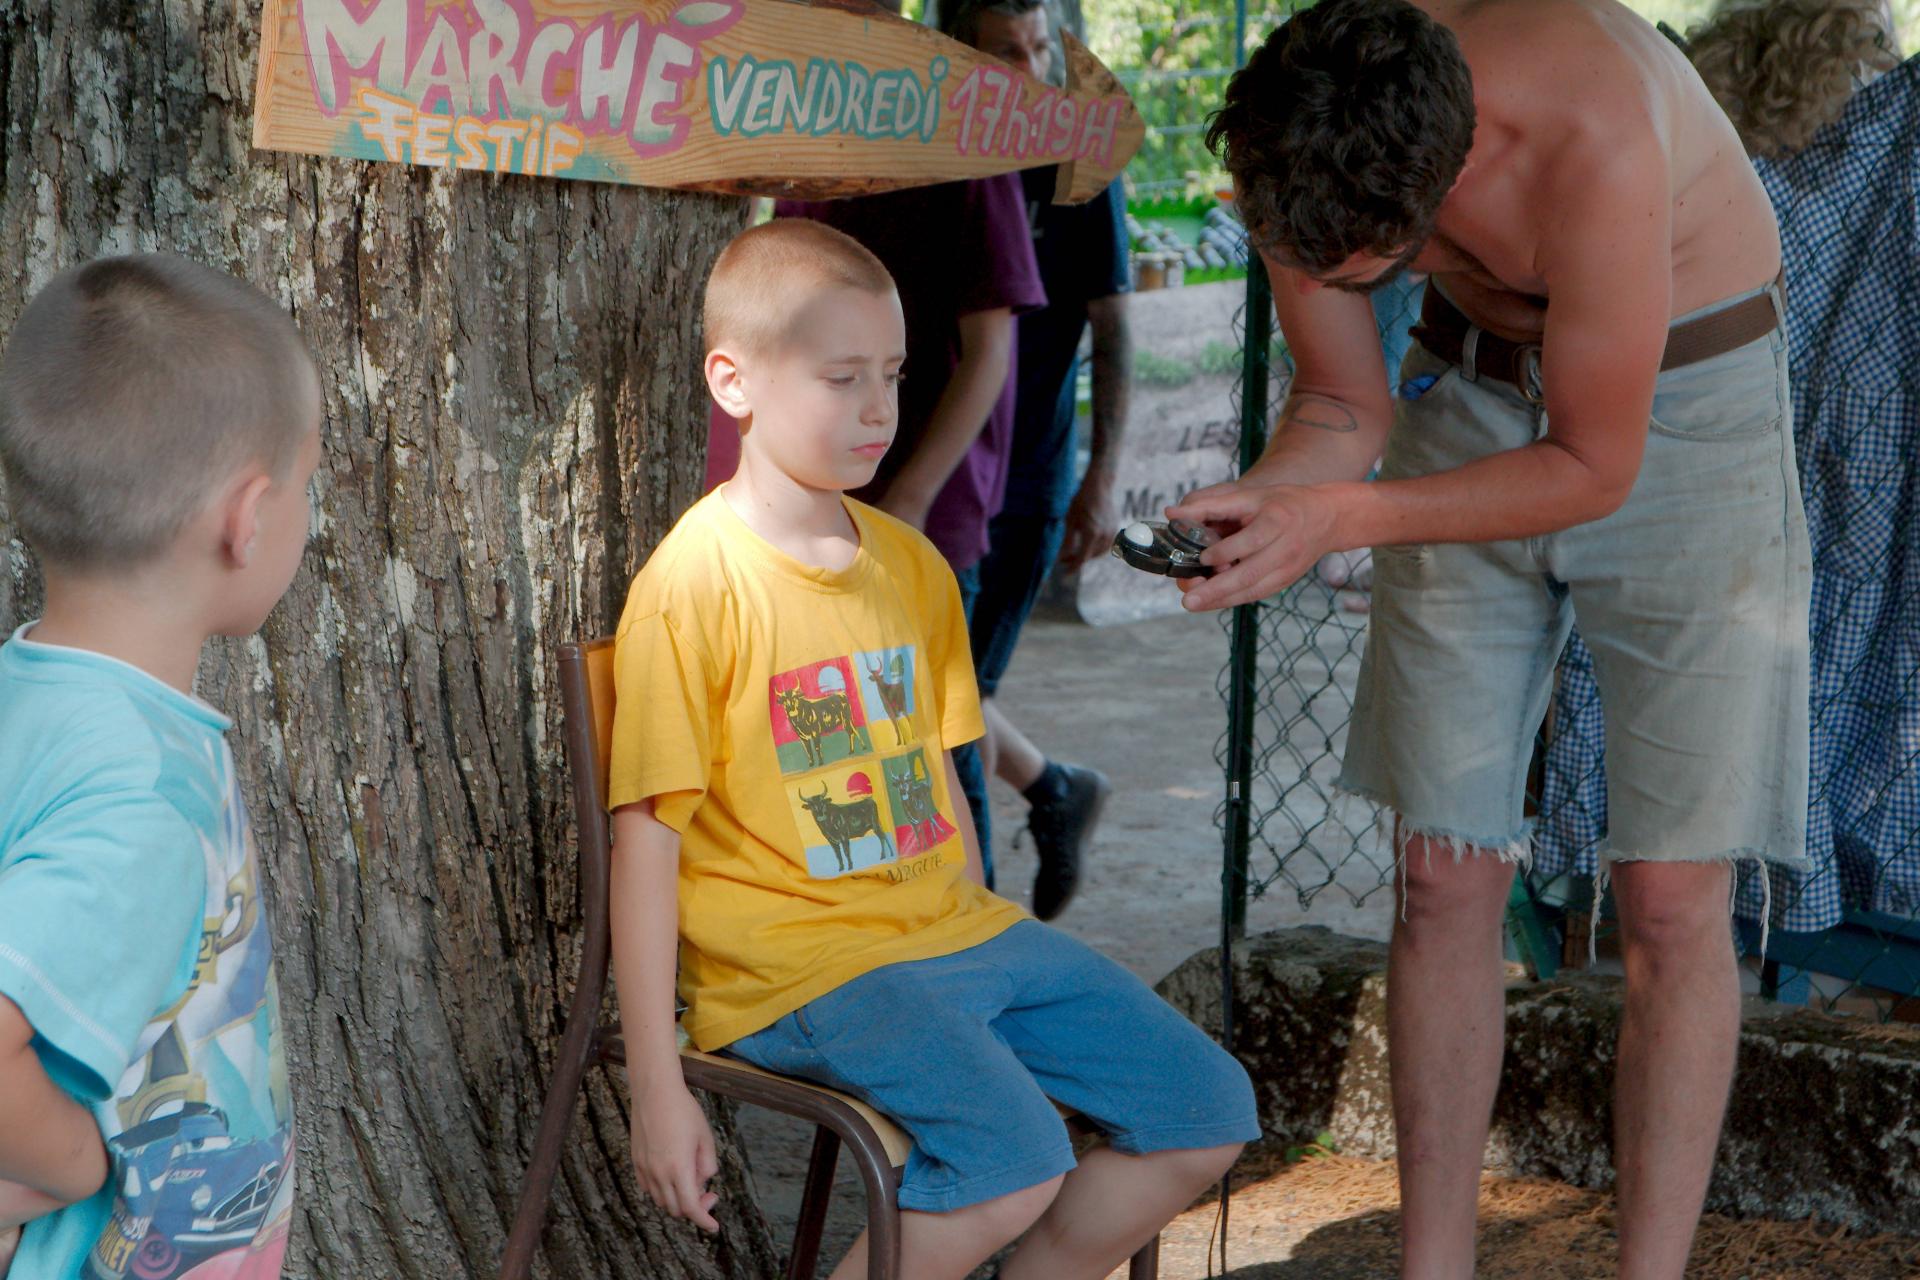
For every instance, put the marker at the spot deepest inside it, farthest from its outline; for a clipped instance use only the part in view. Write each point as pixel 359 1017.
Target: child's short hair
pixel 130 390
pixel 760 279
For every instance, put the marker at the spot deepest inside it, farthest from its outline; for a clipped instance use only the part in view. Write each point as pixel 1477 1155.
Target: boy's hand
pixel 9 1245
pixel 673 1152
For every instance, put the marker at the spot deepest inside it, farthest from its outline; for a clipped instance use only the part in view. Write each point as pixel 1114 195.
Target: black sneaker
pixel 1061 821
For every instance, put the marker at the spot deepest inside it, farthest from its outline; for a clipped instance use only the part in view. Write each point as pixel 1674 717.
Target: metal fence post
pixel 1245 658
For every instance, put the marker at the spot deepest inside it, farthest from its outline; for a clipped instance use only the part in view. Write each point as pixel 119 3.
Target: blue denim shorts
pixel 1693 597
pixel 964 1052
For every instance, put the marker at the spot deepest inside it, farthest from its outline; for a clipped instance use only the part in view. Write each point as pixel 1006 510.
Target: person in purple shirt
pixel 1050 512
pixel 963 261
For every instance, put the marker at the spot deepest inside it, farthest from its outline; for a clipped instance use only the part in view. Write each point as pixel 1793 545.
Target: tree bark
pixel 513 418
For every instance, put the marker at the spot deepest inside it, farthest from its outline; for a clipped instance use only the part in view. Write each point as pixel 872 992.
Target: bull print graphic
pixel 844 821
pixel 818 716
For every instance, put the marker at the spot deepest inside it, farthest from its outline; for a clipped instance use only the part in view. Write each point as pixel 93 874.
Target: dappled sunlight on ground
pixel 1337 1218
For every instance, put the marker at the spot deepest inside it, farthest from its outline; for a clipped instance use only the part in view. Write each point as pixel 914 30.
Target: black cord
pixel 1222 1217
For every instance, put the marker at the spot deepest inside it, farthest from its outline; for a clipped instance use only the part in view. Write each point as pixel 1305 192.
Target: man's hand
pixel 1092 521
pixel 673 1152
pixel 1273 535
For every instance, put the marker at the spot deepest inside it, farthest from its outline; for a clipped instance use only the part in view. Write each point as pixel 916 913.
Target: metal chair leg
pixel 1146 1263
pixel 882 1182
pixel 556 1116
pixel 813 1204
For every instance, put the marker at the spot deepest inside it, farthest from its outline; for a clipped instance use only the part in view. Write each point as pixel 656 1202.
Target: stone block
pixel 1821 1122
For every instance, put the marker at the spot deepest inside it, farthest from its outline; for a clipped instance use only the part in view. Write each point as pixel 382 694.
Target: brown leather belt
pixel 1447 333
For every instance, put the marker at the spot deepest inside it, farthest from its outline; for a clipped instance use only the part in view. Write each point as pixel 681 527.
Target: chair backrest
pixel 586 704
pixel 589 666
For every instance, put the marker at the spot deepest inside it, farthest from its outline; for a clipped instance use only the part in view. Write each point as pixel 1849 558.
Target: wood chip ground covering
pixel 1337 1218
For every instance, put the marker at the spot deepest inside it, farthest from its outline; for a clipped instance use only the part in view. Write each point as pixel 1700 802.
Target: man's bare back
pixel 1561 87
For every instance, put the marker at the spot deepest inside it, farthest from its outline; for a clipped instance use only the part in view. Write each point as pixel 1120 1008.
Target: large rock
pixel 1821 1122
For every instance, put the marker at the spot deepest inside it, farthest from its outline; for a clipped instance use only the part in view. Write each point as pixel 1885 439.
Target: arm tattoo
pixel 1321 413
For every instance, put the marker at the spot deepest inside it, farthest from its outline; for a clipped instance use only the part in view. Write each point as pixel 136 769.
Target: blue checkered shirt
pixel 1849 210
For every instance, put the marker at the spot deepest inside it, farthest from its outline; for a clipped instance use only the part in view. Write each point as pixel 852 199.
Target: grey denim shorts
pixel 1693 597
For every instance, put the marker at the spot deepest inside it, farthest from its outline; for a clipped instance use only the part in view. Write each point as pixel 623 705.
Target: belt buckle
pixel 1529 380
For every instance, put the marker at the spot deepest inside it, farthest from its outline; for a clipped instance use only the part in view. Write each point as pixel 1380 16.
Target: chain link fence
pixel 1844 934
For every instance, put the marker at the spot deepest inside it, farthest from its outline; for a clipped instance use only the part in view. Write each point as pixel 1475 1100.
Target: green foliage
pixel 1175 56
pixel 1157 370
pixel 1322 1145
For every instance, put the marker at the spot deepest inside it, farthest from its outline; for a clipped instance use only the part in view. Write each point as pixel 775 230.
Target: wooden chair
pixel 878 1146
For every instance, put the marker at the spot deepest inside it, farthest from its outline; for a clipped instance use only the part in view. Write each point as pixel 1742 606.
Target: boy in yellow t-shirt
pixel 793 673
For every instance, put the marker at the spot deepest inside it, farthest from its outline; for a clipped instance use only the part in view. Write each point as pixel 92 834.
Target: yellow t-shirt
pixel 791 723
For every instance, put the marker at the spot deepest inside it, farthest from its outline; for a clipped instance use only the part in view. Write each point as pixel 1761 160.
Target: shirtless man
pixel 1559 171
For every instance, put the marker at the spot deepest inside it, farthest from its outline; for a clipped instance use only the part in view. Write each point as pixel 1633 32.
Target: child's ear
pixel 725 384
pixel 240 518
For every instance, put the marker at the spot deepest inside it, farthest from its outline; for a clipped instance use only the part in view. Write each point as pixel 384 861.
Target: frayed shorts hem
pixel 1515 848
pixel 1607 856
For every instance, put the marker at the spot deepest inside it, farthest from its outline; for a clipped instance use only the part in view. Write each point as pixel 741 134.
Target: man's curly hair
pixel 1345 131
pixel 1784 69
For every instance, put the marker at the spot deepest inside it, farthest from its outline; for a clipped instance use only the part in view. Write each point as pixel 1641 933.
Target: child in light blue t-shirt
pixel 159 424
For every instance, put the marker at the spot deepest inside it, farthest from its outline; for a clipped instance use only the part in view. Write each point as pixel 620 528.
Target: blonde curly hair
pixel 1784 69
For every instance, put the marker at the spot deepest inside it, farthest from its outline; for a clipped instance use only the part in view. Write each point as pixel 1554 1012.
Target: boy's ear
pixel 725 384
pixel 240 518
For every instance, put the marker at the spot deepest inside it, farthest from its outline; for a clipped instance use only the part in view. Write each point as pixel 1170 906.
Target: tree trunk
pixel 513 418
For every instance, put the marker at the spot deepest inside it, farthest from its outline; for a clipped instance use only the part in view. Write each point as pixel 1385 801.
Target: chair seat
pixel 792 1096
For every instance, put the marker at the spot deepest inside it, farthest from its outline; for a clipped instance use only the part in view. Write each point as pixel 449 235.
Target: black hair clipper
pixel 1172 549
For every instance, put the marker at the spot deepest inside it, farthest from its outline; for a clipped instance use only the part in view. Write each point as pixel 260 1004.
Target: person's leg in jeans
pixel 1064 799
pixel 966 759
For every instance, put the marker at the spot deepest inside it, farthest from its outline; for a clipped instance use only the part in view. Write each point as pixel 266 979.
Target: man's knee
pixel 1672 906
pixel 1442 882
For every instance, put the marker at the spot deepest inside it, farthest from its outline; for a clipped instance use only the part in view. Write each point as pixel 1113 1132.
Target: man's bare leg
pixel 1110 1206
pixel 1445 1034
pixel 1678 1039
pixel 946 1246
pixel 1013 757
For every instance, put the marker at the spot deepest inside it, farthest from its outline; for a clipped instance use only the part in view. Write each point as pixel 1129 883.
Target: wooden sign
pixel 805 98
pixel 1183 432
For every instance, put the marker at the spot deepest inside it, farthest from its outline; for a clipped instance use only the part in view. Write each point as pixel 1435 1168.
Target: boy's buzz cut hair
pixel 131 389
pixel 760 279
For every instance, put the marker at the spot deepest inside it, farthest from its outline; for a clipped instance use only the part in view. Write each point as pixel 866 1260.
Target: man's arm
pixel 673 1148
pixel 49 1144
pixel 1338 412
pixel 1608 265
pixel 1093 517
pixel 986 342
